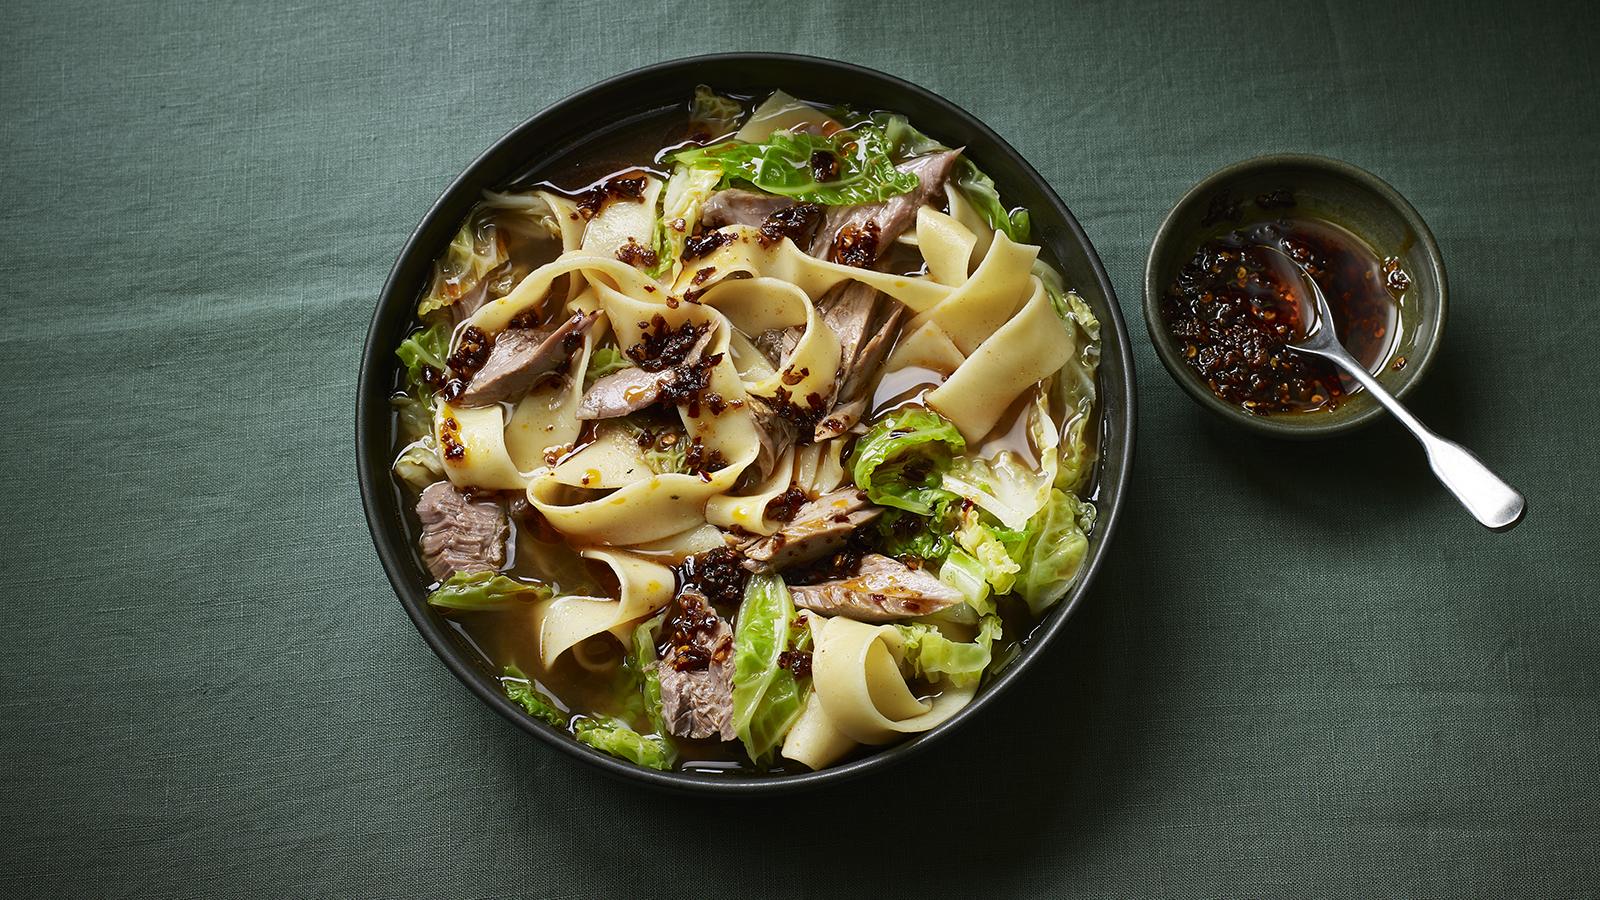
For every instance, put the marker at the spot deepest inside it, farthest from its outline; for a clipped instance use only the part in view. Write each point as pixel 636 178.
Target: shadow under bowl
pixel 1326 189
pixel 602 111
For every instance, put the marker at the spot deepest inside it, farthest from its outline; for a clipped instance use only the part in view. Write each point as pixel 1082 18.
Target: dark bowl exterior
pixel 603 106
pixel 1348 195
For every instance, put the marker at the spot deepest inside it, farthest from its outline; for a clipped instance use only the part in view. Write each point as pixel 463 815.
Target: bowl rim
pixel 394 550
pixel 1426 344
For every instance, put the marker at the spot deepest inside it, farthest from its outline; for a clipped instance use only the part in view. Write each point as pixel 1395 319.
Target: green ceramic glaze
pixel 1329 189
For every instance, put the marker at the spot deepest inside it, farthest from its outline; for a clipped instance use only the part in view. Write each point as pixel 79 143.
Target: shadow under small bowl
pixel 1322 188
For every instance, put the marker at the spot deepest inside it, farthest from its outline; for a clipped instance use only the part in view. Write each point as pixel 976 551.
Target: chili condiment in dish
pixel 1235 306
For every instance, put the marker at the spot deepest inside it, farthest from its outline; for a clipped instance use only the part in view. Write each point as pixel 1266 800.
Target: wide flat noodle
pixel 567 219
pixel 645 587
pixel 817 467
pixel 612 460
pixel 813 740
pixel 786 262
pixel 946 246
pixel 622 222
pixel 644 511
pixel 856 672
pixel 572 225
pixel 531 291
pixel 480 433
pixel 754 305
pixel 984 302
pixel 732 431
pixel 962 210
pixel 928 347
pixel 781 112
pixel 748 511
pixel 1030 347
pixel 684 544
pixel 752 364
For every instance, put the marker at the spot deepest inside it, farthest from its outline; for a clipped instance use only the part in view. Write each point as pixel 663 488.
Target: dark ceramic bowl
pixel 1344 194
pixel 603 108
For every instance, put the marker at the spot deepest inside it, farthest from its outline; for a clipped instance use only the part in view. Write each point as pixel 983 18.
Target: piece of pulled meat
pixel 820 528
pixel 880 590
pixel 635 388
pixel 520 357
pixel 842 563
pixel 696 669
pixel 460 533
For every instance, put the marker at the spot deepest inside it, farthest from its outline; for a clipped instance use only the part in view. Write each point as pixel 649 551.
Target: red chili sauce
pixel 1235 305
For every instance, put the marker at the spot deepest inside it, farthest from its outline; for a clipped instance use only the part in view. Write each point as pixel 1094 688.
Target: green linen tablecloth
pixel 1303 670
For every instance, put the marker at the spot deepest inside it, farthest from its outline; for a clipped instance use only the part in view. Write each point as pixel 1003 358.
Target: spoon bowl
pixel 1496 505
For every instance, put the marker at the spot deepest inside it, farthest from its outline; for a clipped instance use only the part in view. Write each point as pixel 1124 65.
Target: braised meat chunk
pixel 460 534
pixel 882 590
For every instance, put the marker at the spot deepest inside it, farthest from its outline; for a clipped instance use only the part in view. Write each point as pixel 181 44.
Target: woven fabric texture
pixel 1303 670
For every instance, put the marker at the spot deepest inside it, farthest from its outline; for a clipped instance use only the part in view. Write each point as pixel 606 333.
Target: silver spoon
pixel 1495 504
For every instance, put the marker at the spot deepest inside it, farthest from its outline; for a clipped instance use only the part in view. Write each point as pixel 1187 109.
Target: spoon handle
pixel 1495 504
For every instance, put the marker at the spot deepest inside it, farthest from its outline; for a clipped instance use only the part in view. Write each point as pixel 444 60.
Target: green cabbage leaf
pixel 767 698
pixel 1005 485
pixel 962 571
pixel 931 655
pixel 602 362
pixel 990 545
pixel 419 464
pixel 479 591
pixel 1058 540
pixel 784 164
pixel 641 661
pixel 520 689
pixel 476 250
pixel 712 114
pixel 978 188
pixel 687 189
pixel 426 347
pixel 902 534
pixel 1074 386
pixel 613 736
pixel 901 460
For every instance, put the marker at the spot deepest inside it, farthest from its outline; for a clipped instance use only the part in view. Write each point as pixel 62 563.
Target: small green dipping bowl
pixel 1322 188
